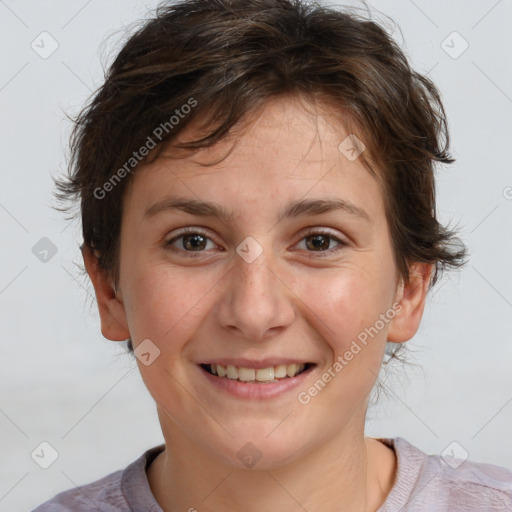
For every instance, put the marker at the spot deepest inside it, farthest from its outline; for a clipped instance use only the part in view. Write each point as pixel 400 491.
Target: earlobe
pixel 411 296
pixel 111 309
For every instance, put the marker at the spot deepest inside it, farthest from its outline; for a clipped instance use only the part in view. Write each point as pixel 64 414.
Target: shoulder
pixel 436 482
pixel 92 496
pixel 121 491
pixel 474 484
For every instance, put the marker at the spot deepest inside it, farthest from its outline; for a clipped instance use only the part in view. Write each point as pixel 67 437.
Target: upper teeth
pixel 260 374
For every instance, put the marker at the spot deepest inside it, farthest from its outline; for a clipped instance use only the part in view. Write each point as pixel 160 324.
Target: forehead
pixel 287 150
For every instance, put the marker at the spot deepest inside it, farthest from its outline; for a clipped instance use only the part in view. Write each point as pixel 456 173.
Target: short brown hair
pixel 229 57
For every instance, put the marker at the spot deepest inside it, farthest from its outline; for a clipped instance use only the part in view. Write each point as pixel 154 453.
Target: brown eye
pixel 320 242
pixel 194 242
pixel 191 240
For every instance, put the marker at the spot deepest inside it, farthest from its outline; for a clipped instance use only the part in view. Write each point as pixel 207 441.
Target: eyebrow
pixel 295 209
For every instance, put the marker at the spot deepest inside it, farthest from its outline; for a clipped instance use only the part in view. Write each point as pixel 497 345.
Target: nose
pixel 256 301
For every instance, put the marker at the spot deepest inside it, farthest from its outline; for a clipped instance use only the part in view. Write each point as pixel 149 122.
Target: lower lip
pixel 255 390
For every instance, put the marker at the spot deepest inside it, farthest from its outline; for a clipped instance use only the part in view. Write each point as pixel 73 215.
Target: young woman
pixel 258 206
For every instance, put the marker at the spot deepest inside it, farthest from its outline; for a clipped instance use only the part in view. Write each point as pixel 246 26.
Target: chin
pixel 258 452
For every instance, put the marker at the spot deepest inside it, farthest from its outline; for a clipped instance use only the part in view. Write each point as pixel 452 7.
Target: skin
pixel 289 302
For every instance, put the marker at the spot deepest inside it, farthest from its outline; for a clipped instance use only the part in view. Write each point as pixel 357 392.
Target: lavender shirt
pixel 424 483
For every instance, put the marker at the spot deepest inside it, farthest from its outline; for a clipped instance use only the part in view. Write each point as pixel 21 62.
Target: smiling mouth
pixel 270 374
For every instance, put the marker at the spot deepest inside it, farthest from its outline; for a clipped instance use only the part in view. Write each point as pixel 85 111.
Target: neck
pixel 357 472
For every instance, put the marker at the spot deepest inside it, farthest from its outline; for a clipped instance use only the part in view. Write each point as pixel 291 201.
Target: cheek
pixel 345 308
pixel 165 307
pixel 165 303
pixel 346 304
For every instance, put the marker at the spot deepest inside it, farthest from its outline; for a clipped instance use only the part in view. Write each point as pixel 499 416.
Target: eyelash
pixel 317 231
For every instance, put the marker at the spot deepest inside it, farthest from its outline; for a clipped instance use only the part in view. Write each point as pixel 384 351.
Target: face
pixel 270 285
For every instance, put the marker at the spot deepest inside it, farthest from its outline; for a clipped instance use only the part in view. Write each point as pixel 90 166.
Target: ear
pixel 411 297
pixel 112 314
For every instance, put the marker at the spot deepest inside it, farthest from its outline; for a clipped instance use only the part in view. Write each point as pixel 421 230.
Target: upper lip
pixel 253 363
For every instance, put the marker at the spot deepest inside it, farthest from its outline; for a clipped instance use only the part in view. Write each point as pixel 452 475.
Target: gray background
pixel 63 383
